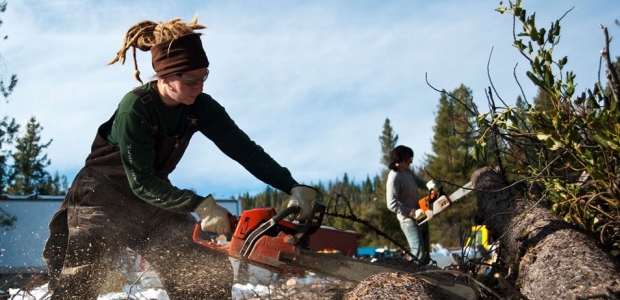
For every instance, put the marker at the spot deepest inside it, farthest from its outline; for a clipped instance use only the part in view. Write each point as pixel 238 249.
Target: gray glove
pixel 302 196
pixel 214 217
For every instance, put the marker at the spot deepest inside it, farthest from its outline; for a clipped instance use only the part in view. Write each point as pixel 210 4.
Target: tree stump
pixel 552 259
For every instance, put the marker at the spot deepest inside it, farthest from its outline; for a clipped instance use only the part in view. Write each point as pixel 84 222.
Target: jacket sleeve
pixel 219 127
pixel 421 183
pixel 392 190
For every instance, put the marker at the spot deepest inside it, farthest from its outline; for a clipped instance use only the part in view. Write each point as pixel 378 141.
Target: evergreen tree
pixel 28 174
pixel 453 138
pixel 56 185
pixel 368 190
pixel 388 141
pixel 8 129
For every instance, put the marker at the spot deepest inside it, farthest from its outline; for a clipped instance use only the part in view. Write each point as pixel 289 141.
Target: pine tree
pixel 388 141
pixel 56 185
pixel 8 129
pixel 28 174
pixel 453 138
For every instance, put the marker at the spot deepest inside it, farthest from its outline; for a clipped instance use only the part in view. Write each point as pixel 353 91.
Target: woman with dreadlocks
pixel 122 196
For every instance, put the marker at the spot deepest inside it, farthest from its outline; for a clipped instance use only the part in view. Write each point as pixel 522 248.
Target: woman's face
pixel 183 88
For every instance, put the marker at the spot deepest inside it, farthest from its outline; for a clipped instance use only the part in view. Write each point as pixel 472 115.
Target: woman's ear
pixel 168 85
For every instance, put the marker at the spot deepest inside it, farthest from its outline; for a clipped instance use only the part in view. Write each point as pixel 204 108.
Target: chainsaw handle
pixel 248 244
pixel 314 222
pixel 285 213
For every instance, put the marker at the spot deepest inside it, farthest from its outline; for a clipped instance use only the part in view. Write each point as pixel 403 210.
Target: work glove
pixel 419 214
pixel 416 214
pixel 302 196
pixel 214 218
pixel 432 185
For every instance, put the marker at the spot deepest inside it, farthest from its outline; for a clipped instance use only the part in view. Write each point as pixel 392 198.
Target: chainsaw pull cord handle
pixel 260 230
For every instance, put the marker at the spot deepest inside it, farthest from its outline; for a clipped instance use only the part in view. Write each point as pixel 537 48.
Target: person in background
pixel 122 197
pixel 402 199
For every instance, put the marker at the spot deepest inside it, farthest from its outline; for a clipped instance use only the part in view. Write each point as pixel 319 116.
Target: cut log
pixel 552 259
pixel 430 284
pixel 392 286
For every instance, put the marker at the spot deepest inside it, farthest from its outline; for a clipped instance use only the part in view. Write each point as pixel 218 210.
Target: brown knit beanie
pixel 179 55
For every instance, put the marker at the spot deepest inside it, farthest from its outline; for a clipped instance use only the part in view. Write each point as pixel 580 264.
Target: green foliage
pixel 566 144
pixel 54 185
pixel 388 140
pixel 8 129
pixel 27 174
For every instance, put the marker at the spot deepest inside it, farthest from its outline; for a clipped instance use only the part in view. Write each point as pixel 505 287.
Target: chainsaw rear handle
pixel 251 239
pixel 291 210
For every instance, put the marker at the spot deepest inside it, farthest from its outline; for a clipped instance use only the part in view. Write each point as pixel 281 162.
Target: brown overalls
pixel 100 217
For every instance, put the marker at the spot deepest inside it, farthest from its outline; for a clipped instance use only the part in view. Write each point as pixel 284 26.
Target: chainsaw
pixel 264 237
pixel 437 201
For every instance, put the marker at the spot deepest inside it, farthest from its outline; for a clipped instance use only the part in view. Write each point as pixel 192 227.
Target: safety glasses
pixel 192 80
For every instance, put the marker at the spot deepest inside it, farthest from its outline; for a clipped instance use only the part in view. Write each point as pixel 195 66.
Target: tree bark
pixel 552 259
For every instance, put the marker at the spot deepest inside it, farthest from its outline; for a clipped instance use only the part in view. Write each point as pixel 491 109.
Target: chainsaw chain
pixel 340 207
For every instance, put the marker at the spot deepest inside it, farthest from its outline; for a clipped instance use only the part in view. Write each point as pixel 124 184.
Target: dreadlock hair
pixel 145 34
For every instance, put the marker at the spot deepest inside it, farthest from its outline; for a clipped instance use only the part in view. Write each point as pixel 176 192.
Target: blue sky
pixel 310 81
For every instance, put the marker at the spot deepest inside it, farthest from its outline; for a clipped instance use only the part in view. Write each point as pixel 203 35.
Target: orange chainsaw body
pixel 425 203
pixel 273 248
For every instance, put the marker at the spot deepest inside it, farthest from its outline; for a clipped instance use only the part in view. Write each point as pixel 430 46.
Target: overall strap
pixel 147 100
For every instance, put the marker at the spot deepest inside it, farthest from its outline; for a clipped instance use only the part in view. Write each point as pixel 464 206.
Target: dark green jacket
pixel 133 134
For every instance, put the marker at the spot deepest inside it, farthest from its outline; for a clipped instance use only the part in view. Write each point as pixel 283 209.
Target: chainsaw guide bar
pixel 264 238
